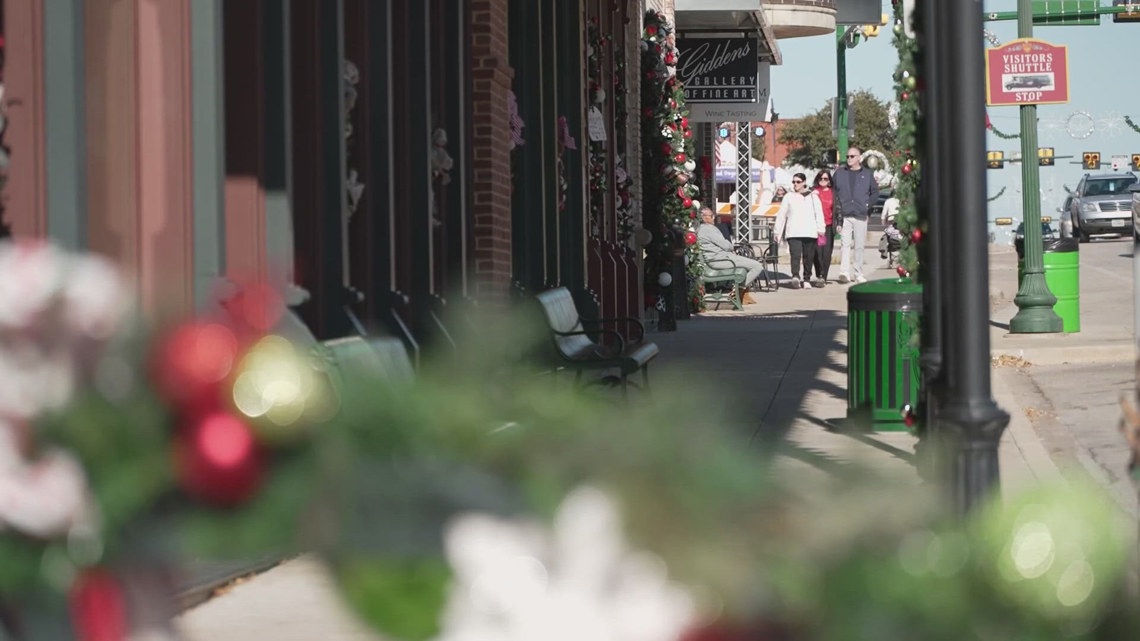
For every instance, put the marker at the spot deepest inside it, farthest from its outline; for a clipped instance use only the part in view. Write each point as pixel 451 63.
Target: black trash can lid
pixel 1063 245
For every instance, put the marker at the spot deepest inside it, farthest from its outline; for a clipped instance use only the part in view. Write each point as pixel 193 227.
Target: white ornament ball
pixel 696 204
pixel 664 279
pixel 690 165
pixel 599 96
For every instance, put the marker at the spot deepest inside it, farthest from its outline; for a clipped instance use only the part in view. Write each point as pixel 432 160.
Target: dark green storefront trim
pixel 65 135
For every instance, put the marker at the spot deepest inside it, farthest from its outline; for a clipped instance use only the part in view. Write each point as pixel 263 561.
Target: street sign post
pixel 1027 71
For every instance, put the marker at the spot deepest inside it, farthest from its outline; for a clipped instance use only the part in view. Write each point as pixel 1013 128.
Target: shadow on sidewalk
pixel 784 377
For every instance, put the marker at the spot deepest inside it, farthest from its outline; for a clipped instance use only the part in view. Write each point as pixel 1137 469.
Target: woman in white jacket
pixel 800 221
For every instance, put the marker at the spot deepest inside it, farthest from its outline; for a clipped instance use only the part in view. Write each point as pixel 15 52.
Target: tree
pixel 809 138
pixel 759 146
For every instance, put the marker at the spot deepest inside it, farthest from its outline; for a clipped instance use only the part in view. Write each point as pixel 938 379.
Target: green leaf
pixel 401 598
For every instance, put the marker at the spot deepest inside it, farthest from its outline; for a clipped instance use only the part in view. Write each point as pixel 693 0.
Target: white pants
pixel 854 237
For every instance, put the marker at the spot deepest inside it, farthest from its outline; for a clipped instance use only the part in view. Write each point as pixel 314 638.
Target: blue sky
pixel 1102 84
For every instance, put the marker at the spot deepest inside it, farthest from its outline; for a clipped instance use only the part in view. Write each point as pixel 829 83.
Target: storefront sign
pixel 724 79
pixel 1027 72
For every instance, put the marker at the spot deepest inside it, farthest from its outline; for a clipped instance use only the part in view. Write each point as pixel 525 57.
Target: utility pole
pixel 1034 301
pixel 969 417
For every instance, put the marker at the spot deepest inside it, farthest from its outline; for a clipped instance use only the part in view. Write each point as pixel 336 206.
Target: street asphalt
pixel 781 362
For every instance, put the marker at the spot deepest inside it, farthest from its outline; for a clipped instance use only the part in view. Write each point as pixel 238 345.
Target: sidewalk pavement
pixel 786 352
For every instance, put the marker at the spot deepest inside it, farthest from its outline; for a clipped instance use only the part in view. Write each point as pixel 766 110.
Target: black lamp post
pixel 968 415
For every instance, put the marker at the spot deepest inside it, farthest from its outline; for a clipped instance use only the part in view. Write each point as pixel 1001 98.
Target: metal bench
pixel 574 346
pixel 722 271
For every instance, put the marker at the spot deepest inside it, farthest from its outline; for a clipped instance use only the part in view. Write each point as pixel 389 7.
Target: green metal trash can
pixel 1063 276
pixel 1062 261
pixel 883 372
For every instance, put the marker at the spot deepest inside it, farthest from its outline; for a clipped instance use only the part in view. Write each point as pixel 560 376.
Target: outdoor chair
pixel 723 282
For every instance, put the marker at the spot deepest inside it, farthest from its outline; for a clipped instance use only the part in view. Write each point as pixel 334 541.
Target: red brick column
pixel 25 195
pixel 491 187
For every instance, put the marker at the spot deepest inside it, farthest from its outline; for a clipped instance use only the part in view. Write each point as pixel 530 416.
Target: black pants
pixel 802 248
pixel 823 254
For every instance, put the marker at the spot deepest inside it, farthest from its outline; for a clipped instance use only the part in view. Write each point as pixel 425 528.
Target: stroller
pixel 890 243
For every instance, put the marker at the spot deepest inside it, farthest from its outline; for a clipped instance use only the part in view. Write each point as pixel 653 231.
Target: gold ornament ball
pixel 910 82
pixel 281 391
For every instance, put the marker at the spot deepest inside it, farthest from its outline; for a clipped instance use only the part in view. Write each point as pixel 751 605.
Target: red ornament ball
pixel 905 95
pixel 907 169
pixel 651 29
pixel 98 607
pixel 688 134
pixel 192 363
pixel 680 158
pixel 692 215
pixel 666 148
pixel 684 122
pixel 217 459
pixel 901 271
pixel 687 202
pixel 690 238
pixel 916 236
pixel 672 104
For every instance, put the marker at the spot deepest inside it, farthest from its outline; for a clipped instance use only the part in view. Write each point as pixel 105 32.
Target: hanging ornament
pixel 696 204
pixel 898 28
pixel 217 460
pixel 666 148
pixel 664 279
pixel 905 95
pixel 684 122
pixel 191 364
pixel 98 607
pixel 680 158
pixel 280 392
pixel 687 203
pixel 910 419
pixel 690 238
pixel 690 165
pixel 910 82
pixel 688 134
pixel 682 178
pixel 907 168
pixel 901 271
pixel 681 193
pixel 916 236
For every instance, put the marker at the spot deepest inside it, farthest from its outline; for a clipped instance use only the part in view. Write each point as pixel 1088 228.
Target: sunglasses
pixel 797 182
pixel 852 155
pixel 824 179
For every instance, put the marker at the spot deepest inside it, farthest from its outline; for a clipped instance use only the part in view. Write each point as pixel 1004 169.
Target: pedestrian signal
pixel 1003 221
pixel 1045 156
pixel 1090 160
pixel 1135 162
pixel 995 159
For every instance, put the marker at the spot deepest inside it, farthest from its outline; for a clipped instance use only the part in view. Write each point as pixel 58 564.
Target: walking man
pixel 855 192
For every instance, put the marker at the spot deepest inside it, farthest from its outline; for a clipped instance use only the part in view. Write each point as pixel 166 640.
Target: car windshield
pixel 1109 186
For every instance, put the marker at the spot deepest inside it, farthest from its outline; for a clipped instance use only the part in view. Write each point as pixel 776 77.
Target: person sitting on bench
pixel 714 246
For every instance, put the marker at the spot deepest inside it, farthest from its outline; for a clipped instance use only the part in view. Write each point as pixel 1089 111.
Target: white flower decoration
pixel 516 581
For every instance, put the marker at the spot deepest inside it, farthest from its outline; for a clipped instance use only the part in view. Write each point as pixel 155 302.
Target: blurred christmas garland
pixel 622 123
pixel 1132 125
pixel 908 85
pixel 669 197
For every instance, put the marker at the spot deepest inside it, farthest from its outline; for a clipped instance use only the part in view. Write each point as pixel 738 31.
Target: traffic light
pixel 1135 162
pixel 1090 160
pixel 870 30
pixel 1003 221
pixel 1045 156
pixel 831 157
pixel 1131 15
pixel 995 159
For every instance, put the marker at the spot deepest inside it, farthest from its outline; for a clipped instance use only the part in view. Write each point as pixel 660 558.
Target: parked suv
pixel 1102 204
pixel 1135 210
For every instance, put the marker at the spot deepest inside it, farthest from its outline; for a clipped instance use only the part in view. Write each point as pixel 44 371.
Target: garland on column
pixel 623 182
pixel 907 86
pixel 1132 125
pixel 670 198
pixel 598 172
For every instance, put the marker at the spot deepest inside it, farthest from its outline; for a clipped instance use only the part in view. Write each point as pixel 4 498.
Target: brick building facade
pixel 358 149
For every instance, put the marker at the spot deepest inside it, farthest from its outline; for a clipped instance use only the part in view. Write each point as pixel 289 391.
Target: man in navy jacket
pixel 855 192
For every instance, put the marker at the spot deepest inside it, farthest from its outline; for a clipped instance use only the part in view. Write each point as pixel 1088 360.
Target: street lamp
pixel 847 37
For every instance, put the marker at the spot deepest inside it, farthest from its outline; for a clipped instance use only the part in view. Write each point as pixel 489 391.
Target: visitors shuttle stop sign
pixel 1027 72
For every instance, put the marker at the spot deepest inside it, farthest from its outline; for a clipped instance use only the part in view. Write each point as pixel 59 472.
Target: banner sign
pixel 1027 72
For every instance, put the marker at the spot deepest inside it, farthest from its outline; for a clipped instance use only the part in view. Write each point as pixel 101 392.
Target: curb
pixel 1024 435
pixel 1114 352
